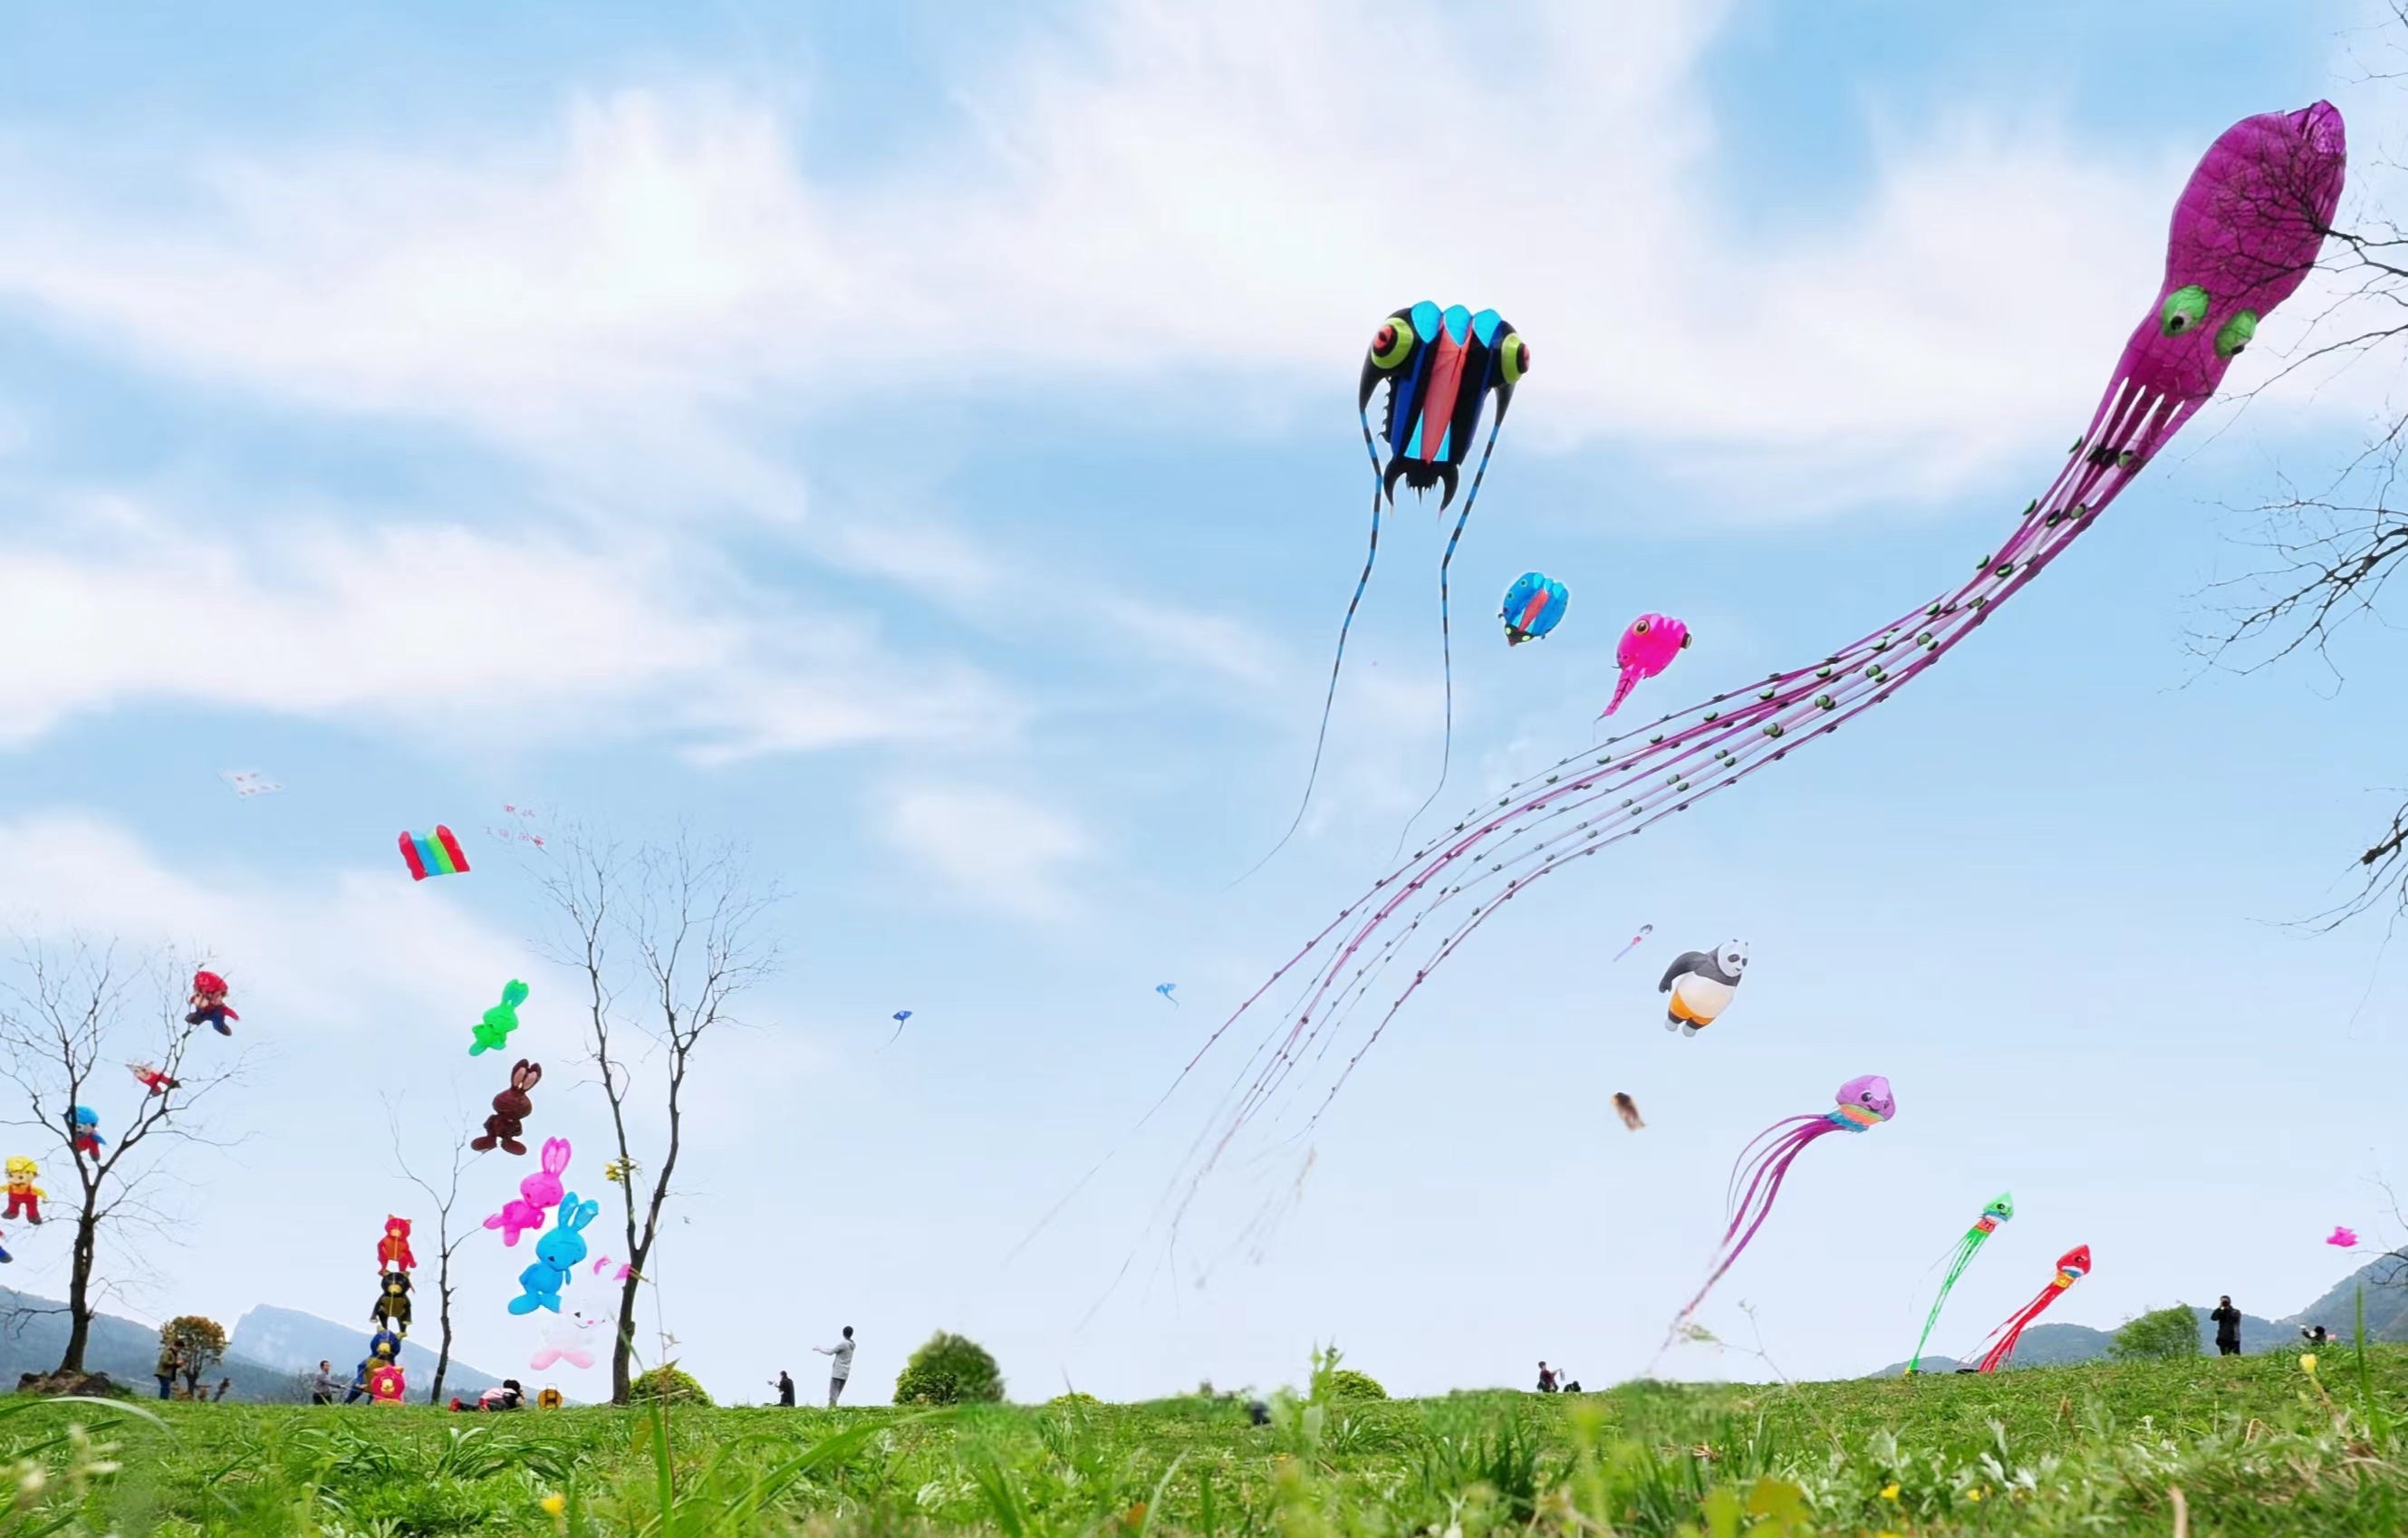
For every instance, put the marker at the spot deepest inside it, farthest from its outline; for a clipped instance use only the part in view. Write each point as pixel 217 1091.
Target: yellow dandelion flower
pixel 553 1506
pixel 1974 1494
pixel 2307 1362
pixel 1889 1491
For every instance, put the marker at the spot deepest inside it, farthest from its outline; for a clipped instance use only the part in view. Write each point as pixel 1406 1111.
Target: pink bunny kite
pixel 537 1192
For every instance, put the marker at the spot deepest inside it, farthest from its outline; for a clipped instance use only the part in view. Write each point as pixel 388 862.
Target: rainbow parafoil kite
pixel 436 854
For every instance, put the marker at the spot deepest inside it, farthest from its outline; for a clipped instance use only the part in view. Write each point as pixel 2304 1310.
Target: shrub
pixel 1074 1398
pixel 949 1370
pixel 1333 1382
pixel 668 1381
pixel 1346 1383
pixel 2161 1334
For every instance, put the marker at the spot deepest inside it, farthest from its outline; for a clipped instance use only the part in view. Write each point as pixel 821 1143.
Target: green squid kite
pixel 1999 1209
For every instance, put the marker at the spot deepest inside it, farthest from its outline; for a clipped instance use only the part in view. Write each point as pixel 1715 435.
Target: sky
pixel 914 441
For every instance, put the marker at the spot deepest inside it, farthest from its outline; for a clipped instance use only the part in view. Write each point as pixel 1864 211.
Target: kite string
pixel 2136 423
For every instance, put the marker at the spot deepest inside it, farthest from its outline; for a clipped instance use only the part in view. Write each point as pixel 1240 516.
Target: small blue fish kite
pixel 900 1015
pixel 1164 988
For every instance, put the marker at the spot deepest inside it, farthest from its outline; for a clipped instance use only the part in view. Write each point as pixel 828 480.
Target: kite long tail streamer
pixel 1761 1167
pixel 1755 1182
pixel 1992 1216
pixel 1445 631
pixel 2071 1267
pixel 1320 739
pixel 2245 234
pixel 1957 1264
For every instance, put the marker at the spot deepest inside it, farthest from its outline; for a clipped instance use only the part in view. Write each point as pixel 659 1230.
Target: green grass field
pixel 2252 1444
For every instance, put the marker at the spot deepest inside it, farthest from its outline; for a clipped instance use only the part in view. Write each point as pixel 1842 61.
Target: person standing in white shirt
pixel 841 1368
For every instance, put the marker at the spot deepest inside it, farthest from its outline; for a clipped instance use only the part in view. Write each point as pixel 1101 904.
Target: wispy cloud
pixel 347 950
pixel 523 633
pixel 660 266
pixel 996 850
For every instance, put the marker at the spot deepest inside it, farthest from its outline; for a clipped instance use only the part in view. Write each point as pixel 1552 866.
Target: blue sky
pixel 919 444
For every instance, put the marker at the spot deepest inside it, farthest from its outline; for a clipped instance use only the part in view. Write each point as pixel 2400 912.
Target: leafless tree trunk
pixel 664 938
pixel 447 1240
pixel 65 1015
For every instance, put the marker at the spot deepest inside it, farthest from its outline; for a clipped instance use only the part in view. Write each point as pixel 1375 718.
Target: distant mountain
pixel 294 1342
pixel 34 1335
pixel 2384 1279
pixel 2042 1345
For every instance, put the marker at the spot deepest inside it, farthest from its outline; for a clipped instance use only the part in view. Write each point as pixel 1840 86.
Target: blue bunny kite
pixel 557 1256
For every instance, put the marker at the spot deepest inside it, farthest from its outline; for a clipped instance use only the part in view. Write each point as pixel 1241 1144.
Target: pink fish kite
pixel 1647 649
pixel 2343 1238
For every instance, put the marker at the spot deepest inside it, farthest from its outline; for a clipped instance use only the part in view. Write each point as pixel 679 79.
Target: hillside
pixel 270 1351
pixel 293 1342
pixel 34 1335
pixel 2384 1280
pixel 2249 1448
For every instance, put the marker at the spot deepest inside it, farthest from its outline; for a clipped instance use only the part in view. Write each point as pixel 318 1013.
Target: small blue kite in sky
pixel 1164 988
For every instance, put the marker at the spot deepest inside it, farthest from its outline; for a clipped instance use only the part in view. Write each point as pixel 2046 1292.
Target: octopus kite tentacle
pixel 1329 701
pixel 2245 233
pixel 1999 1209
pixel 1446 633
pixel 1757 1175
pixel 2071 1267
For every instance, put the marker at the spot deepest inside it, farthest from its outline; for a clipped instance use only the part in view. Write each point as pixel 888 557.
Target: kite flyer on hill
pixel 2228 1327
pixel 840 1369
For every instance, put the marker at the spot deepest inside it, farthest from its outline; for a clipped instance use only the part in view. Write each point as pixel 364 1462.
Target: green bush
pixel 1333 1382
pixel 2161 1334
pixel 1074 1397
pixel 949 1370
pixel 1346 1383
pixel 668 1381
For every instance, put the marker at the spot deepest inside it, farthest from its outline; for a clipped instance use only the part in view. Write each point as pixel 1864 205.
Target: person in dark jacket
pixel 786 1387
pixel 2228 1327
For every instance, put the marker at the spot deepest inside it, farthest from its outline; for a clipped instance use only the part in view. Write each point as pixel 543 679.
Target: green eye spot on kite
pixel 2186 308
pixel 2235 335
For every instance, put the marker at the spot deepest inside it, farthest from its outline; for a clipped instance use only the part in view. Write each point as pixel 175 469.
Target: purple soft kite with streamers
pixel 2245 233
pixel 1862 1104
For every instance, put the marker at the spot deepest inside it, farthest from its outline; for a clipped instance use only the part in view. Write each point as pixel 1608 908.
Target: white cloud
pixel 351 949
pixel 523 636
pixel 997 849
pixel 1163 195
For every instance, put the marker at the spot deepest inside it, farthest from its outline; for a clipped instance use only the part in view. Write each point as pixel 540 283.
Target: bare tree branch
pixel 674 929
pixel 448 1240
pixel 67 1011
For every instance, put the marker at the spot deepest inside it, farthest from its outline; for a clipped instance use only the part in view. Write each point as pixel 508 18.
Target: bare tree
pixel 448 1239
pixel 2334 542
pixel 665 937
pixel 66 1013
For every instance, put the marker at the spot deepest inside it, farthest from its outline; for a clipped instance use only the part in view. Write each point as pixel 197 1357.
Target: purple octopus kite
pixel 2244 235
pixel 1861 1103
